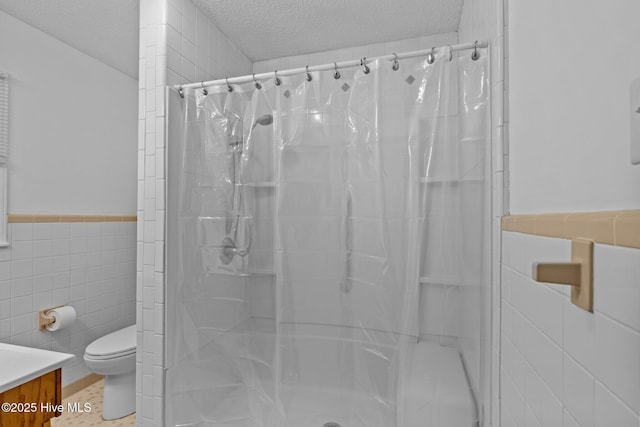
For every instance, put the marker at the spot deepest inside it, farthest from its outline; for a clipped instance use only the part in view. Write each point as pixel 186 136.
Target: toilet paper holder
pixel 44 320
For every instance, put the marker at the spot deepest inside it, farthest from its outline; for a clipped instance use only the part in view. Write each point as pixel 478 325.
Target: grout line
pixel 566 410
pixel 618 323
pixel 615 395
pixel 605 315
pixel 565 352
pixel 598 381
pixel 533 369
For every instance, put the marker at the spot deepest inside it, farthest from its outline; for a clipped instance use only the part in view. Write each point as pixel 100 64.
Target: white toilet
pixel 114 356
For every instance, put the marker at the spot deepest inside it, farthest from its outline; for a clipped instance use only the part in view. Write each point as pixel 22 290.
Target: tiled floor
pixel 93 395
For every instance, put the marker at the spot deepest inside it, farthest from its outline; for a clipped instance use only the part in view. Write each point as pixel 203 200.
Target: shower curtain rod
pixel 325 67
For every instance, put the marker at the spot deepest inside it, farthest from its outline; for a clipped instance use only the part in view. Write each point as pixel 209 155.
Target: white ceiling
pixel 271 29
pixel 104 29
pixel 108 29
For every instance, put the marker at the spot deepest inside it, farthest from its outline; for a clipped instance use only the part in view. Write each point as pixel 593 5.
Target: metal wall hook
pixel 475 55
pixel 365 67
pixel 431 56
pixel 257 83
pixel 308 77
pixel 336 74
pixel 229 88
pixel 180 91
pixel 204 91
pixel 396 64
pixel 277 79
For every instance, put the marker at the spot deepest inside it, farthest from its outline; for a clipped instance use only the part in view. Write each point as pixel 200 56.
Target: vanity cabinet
pixel 37 401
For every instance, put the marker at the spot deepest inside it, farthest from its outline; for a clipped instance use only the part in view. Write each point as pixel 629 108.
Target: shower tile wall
pixel 172 51
pixel 563 366
pixel 439 302
pixel 89 266
pixel 448 313
pixel 486 20
pixel 177 44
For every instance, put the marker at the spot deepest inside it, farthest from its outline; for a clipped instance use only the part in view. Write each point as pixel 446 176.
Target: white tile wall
pixel 439 303
pixel 90 266
pixel 174 49
pixel 563 366
pixel 178 44
pixel 485 20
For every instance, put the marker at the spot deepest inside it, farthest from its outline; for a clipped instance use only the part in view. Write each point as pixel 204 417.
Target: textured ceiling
pixel 104 29
pixel 270 29
pixel 108 29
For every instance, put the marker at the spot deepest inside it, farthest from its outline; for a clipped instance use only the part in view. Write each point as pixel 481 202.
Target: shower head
pixel 265 120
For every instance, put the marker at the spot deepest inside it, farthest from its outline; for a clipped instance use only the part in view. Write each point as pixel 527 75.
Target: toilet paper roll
pixel 64 316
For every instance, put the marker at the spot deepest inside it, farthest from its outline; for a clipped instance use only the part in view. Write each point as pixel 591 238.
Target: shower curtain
pixel 309 213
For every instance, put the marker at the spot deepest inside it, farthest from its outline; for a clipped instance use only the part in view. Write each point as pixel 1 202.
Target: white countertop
pixel 19 365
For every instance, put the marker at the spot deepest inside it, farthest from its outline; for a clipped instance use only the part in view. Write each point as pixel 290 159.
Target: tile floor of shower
pixel 435 392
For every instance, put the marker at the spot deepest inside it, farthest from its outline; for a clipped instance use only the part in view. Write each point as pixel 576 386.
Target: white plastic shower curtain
pixel 308 213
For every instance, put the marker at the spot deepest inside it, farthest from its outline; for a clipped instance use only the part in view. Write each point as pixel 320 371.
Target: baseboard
pixel 80 384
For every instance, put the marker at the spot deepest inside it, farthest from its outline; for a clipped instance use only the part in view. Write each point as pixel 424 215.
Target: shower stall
pixel 317 224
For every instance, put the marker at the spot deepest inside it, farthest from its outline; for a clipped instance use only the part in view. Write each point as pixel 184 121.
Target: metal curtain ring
pixel 336 74
pixel 204 91
pixel 431 56
pixel 450 53
pixel 277 79
pixel 180 91
pixel 258 85
pixel 308 77
pixel 365 67
pixel 475 55
pixel 229 88
pixel 396 64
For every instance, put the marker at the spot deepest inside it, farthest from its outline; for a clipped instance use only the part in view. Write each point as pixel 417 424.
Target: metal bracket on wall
pixel 578 273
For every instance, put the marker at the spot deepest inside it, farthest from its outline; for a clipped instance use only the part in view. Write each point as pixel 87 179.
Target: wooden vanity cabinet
pixel 42 390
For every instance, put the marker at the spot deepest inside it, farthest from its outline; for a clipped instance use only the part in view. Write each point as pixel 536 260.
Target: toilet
pixel 114 356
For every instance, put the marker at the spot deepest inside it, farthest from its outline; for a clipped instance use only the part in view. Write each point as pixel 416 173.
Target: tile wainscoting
pixel 561 365
pixel 70 259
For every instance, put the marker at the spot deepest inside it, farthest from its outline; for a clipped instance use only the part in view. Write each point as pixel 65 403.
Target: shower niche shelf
pixel 470 140
pixel 435 280
pixel 256 274
pixel 264 184
pixel 247 274
pixel 446 281
pixel 449 181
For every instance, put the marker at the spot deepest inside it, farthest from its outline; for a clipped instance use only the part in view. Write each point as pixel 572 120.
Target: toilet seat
pixel 116 344
pixel 109 356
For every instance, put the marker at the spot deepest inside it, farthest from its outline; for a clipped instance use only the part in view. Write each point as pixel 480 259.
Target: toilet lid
pixel 119 342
